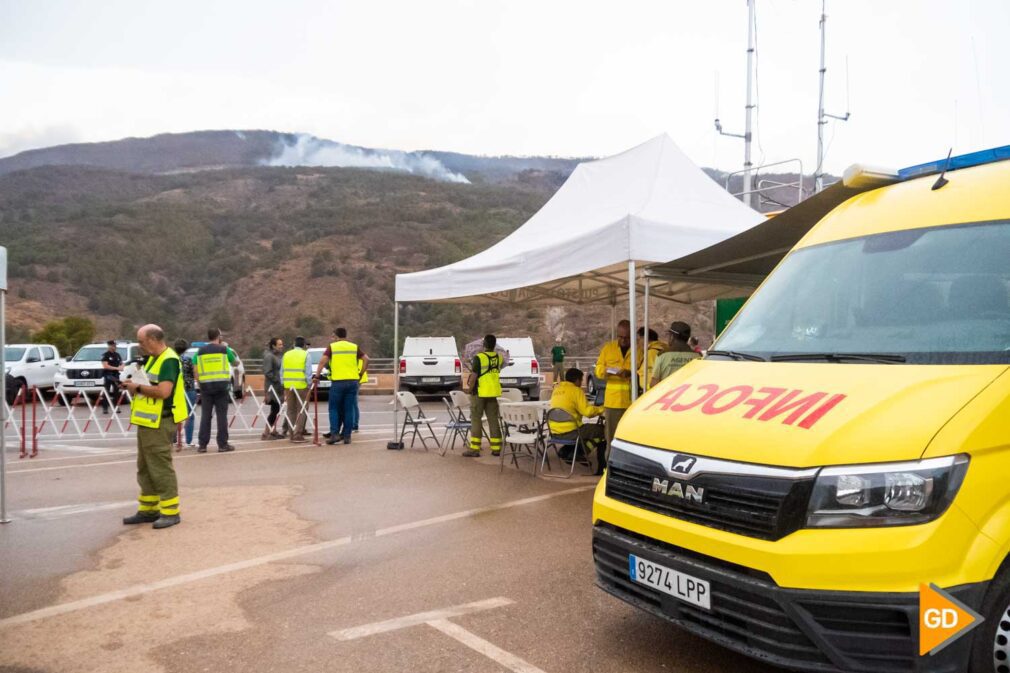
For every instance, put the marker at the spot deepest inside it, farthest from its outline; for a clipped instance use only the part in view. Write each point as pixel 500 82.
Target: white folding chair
pixel 413 415
pixel 520 435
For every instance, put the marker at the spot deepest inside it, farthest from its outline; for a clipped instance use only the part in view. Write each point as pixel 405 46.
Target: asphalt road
pixel 305 558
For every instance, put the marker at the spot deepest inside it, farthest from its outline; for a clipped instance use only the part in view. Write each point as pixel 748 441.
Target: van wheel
pixel 990 649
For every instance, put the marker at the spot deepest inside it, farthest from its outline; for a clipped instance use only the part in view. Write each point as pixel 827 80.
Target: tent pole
pixel 3 401
pixel 613 320
pixel 632 310
pixel 395 442
pixel 645 363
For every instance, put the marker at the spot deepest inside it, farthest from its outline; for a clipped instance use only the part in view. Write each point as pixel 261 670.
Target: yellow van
pixel 846 441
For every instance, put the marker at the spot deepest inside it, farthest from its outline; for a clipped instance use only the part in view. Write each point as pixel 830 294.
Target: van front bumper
pixel 810 630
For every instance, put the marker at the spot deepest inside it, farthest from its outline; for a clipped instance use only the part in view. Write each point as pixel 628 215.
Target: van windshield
pixel 937 295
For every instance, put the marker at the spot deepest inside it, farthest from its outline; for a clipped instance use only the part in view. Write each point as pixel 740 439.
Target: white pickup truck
pixel 32 365
pixel 83 373
pixel 430 365
pixel 522 370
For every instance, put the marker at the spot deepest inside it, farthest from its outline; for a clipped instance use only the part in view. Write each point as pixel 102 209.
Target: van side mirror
pixel 33 358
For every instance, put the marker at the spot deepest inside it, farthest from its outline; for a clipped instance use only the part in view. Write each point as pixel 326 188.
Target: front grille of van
pixel 755 505
pixel 808 630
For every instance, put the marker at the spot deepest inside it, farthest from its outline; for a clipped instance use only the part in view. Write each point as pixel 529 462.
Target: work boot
pixel 140 517
pixel 332 440
pixel 298 439
pixel 265 435
pixel 166 521
pixel 347 439
pixel 202 449
pixel 496 453
pixel 471 453
pixel 327 435
pixel 226 448
pixel 276 435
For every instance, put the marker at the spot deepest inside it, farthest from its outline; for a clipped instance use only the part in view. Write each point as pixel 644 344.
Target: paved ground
pixel 285 551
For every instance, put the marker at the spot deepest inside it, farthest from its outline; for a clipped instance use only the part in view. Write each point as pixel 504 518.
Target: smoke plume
pixel 308 150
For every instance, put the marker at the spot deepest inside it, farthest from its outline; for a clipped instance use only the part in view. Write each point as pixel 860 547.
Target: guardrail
pixel 386 365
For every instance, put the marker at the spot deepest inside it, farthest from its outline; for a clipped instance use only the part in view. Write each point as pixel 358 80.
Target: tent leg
pixel 613 321
pixel 632 311
pixel 395 443
pixel 645 319
pixel 3 409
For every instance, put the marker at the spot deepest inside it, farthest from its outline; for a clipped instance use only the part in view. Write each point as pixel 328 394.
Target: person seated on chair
pixel 568 396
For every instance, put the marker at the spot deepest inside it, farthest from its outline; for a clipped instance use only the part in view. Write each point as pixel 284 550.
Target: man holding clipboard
pixel 614 366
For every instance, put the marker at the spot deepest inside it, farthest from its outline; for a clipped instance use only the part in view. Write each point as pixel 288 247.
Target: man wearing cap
pixel 112 365
pixel 678 355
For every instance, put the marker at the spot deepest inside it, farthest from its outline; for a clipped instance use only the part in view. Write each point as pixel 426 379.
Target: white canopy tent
pixel 647 205
pixel 587 245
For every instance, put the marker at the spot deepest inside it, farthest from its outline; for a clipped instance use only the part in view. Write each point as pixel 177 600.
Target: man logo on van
pixel 683 464
pixel 790 407
pixel 676 489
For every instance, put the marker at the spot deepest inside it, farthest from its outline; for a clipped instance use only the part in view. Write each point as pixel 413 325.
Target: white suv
pixel 32 365
pixel 84 373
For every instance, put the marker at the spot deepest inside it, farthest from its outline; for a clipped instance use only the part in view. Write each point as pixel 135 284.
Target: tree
pixel 67 335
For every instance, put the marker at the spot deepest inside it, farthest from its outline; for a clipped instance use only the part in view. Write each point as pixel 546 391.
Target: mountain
pixel 207 150
pixel 199 229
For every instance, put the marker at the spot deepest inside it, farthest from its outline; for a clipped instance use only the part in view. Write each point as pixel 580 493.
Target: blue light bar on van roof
pixel 961 161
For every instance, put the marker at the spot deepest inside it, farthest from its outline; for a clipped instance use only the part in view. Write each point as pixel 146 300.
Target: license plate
pixel 85 384
pixel 677 584
pixel 510 382
pixel 430 379
pixel 324 384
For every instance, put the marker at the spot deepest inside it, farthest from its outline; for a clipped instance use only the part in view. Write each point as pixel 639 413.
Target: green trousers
pixel 159 489
pixel 612 418
pixel 479 407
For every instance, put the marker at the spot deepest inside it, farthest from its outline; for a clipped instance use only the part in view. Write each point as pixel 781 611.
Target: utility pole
pixel 822 116
pixel 747 135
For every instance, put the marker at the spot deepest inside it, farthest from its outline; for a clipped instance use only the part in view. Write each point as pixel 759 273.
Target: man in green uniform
pixel 158 405
pixel 484 387
pixel 558 353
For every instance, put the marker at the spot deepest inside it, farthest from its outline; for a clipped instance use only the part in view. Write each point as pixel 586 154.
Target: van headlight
pixel 886 494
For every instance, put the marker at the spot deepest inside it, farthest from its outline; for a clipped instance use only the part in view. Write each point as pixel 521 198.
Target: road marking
pixel 179 580
pixel 49 513
pixel 418 619
pixel 439 620
pixel 489 650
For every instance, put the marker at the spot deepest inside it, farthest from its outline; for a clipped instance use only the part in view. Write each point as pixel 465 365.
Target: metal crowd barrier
pixel 53 415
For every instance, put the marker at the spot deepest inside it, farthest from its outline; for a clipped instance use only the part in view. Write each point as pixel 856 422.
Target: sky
pixel 526 77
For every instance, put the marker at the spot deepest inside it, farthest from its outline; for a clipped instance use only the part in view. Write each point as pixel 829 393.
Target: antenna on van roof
pixel 941 181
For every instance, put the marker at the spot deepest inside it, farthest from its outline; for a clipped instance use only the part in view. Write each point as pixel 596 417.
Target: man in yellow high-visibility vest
pixel 484 386
pixel 157 407
pixel 296 373
pixel 615 367
pixel 342 357
pixel 212 368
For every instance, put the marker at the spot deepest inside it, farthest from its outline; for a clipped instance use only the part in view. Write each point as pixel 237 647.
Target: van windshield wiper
pixel 879 358
pixel 737 355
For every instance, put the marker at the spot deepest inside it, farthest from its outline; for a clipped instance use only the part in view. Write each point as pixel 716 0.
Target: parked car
pixel 34 365
pixel 315 355
pixel 522 370
pixel 430 365
pixel 237 370
pixel 83 372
